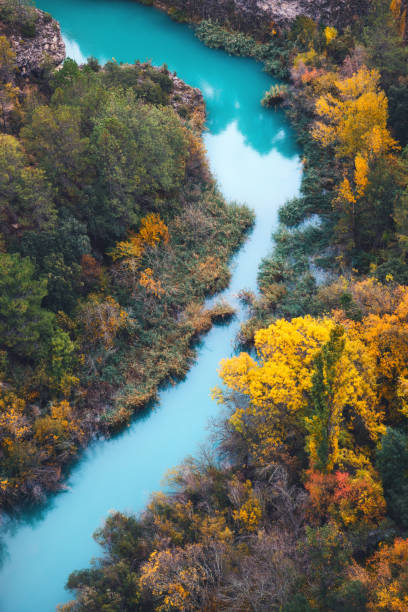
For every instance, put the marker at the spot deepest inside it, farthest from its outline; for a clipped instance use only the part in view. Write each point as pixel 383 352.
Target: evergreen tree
pixel 25 327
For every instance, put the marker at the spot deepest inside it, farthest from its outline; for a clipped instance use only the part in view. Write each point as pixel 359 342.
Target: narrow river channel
pixel 253 155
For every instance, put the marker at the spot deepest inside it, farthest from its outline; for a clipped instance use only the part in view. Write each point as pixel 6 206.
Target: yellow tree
pixel 386 338
pixel 151 285
pixel 386 577
pixel 279 386
pixel 400 15
pixel 383 330
pixel 354 121
pixel 14 426
pixel 58 431
pixel 152 231
pixel 8 63
pixel 102 320
pixel 8 101
pixel 178 578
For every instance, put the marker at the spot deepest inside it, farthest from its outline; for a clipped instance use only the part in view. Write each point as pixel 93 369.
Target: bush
pixel 275 95
pixel 19 14
pixel 217 37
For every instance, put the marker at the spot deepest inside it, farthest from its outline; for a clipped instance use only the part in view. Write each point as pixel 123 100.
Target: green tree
pixel 25 327
pixel 125 546
pixel 392 463
pixel 57 254
pixel 54 138
pixel 62 349
pixel 25 195
pixel 323 423
pixel 140 153
pixel 327 553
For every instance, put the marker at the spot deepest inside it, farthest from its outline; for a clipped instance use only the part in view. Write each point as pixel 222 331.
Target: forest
pixel 300 501
pixel 109 217
pixel 112 232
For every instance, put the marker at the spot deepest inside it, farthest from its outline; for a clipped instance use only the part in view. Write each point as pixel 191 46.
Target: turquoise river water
pixel 252 153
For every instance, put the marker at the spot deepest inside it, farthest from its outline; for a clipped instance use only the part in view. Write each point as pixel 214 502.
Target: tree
pixel 8 63
pixel 102 320
pixel 57 254
pixel 54 138
pixel 354 122
pixel 384 41
pixel 279 387
pixel 392 463
pixel 140 154
pixel 386 339
pixel 25 196
pixel 62 362
pixel 151 232
pixel 350 500
pixel 91 272
pixel 326 554
pixel 386 577
pixel 14 425
pixel 125 546
pixel 20 14
pixel 58 431
pixel 8 101
pixel 323 424
pixel 355 119
pixel 25 327
pixel 181 578
pixel 400 212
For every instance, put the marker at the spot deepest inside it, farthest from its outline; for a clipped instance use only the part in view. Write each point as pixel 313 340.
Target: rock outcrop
pixel 185 96
pixel 46 45
pixel 257 16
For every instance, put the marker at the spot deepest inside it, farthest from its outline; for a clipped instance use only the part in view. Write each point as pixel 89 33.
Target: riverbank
pixel 303 506
pixel 120 252
pixel 248 149
pixel 260 18
pixel 319 239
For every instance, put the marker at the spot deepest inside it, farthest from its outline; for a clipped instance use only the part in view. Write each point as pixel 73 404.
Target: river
pixel 253 155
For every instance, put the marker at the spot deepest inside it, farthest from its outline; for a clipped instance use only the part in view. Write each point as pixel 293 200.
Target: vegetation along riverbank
pixel 112 234
pixel 303 506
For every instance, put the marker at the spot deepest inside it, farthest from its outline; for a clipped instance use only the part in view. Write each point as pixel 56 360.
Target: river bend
pixel 253 155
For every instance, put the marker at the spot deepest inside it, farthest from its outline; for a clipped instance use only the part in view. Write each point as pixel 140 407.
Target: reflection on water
pixel 261 130
pixel 253 156
pixel 247 173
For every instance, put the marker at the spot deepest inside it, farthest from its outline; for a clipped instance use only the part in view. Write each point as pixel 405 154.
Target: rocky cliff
pixel 185 96
pixel 31 52
pixel 257 16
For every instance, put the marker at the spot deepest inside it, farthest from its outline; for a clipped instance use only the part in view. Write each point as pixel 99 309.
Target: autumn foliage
pixel 281 387
pixel 109 221
pixel 111 236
